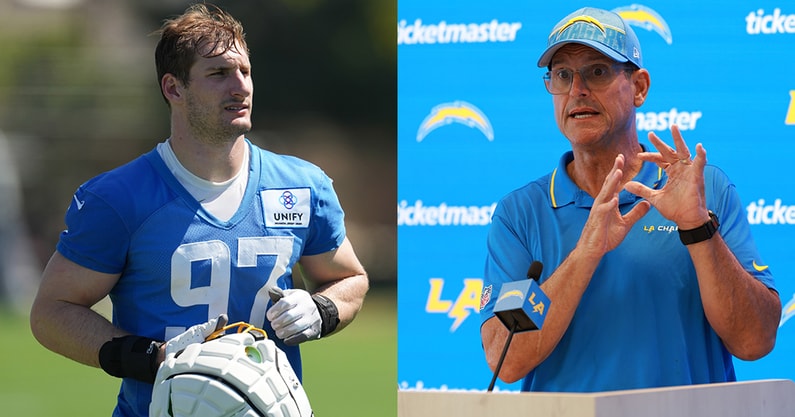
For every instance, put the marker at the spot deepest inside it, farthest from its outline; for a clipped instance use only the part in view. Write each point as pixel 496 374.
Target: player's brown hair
pixel 204 31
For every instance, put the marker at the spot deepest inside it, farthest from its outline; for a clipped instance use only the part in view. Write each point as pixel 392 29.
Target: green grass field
pixel 351 374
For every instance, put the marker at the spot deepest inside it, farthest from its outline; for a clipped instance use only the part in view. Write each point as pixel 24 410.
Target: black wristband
pixel 702 233
pixel 329 315
pixel 130 357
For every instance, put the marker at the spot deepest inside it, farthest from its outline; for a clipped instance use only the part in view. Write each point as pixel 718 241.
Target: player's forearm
pixel 348 296
pixel 71 330
pixel 742 310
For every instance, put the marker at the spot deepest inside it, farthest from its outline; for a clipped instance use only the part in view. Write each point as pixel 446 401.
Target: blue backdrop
pixel 475 122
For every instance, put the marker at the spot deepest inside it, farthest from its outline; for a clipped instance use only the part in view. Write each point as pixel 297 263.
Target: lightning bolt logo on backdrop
pixel 646 18
pixel 455 112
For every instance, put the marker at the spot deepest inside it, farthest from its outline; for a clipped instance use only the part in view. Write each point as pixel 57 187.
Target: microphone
pixel 521 307
pixel 523 303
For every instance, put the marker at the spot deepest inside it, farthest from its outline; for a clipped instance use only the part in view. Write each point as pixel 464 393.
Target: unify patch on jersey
pixel 286 208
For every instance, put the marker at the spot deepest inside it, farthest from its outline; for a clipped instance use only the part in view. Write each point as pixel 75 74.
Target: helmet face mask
pixel 241 374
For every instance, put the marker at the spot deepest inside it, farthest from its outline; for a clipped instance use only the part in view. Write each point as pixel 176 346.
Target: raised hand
pixel 681 199
pixel 606 227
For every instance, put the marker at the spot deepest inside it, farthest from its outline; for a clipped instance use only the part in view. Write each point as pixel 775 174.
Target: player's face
pixel 219 96
pixel 588 114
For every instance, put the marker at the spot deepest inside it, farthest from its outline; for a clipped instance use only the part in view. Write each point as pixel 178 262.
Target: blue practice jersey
pixel 179 265
pixel 640 322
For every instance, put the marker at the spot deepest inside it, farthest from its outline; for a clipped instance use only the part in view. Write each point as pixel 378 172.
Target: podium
pixel 764 398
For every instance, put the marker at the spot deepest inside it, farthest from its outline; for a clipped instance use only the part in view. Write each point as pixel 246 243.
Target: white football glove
pixel 195 334
pixel 294 317
pixel 239 375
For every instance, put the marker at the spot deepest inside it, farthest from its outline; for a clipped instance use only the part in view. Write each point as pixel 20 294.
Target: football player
pixel 204 225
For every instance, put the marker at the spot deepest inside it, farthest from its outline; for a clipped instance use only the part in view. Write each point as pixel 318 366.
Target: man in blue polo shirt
pixel 651 268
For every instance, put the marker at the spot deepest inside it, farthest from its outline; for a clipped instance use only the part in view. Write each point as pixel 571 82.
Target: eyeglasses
pixel 594 76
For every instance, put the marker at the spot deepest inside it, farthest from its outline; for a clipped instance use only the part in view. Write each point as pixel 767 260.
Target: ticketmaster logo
pixel 445 33
pixel 769 24
pixel 419 214
pixel 685 120
pixel 776 213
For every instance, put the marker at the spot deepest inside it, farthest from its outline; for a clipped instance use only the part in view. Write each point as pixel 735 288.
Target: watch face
pixel 714 218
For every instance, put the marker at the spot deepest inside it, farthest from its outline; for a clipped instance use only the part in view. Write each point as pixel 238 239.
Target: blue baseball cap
pixel 600 29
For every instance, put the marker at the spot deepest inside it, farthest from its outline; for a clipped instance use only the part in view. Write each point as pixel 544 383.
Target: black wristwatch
pixel 700 234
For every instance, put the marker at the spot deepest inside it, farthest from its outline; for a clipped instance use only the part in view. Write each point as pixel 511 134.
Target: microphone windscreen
pixel 534 272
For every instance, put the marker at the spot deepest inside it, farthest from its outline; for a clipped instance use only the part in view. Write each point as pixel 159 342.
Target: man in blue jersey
pixel 651 270
pixel 199 230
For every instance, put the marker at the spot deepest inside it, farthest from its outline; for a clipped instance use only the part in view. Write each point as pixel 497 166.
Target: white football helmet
pixel 239 374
